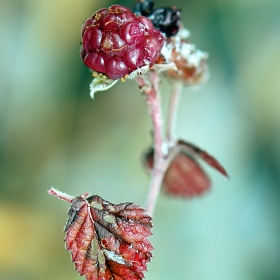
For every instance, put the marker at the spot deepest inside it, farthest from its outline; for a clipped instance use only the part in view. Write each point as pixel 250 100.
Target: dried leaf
pixel 184 176
pixel 195 151
pixel 108 241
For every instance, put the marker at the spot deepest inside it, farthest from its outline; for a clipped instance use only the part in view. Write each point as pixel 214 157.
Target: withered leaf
pixel 108 241
pixel 195 151
pixel 184 176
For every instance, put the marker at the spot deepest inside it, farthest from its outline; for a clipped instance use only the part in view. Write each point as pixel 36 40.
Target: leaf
pixel 195 151
pixel 139 72
pixel 100 83
pixel 108 241
pixel 184 177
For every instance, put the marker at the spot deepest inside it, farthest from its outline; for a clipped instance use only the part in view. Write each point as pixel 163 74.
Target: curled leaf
pixel 108 241
pixel 196 151
pixel 101 83
pixel 184 176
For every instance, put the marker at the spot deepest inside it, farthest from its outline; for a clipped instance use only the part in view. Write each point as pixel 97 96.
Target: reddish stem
pixel 154 105
pixel 61 195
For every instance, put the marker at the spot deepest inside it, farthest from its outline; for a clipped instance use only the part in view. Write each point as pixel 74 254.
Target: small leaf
pixel 108 241
pixel 184 176
pixel 100 83
pixel 195 151
pixel 139 72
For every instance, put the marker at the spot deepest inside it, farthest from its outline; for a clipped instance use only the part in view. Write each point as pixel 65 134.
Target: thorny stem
pixel 172 109
pixel 151 91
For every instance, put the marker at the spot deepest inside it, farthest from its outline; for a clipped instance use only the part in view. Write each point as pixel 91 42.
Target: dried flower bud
pixel 191 63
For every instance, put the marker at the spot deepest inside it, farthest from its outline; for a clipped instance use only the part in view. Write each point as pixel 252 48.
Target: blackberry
pixel 165 19
pixel 116 42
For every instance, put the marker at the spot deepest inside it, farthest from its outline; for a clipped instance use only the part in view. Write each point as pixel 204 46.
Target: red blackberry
pixel 116 42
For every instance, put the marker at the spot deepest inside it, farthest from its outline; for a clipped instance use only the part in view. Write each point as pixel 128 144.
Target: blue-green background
pixel 53 134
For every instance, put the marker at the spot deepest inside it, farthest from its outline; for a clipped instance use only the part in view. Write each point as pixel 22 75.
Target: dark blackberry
pixel 167 20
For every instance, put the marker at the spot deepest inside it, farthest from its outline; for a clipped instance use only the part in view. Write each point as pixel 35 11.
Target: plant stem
pixel 172 110
pixel 153 102
pixel 61 195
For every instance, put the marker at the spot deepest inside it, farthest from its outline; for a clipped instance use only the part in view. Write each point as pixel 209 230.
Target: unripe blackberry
pixel 116 42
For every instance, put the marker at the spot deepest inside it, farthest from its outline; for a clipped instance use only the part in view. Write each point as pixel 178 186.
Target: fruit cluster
pixel 116 42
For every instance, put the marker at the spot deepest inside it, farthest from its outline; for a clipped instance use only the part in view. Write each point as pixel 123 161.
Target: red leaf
pixel 108 241
pixel 184 176
pixel 195 151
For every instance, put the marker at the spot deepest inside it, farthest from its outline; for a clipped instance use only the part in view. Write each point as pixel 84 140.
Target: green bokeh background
pixel 53 134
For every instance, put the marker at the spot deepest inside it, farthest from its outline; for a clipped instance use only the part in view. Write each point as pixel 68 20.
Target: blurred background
pixel 53 134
